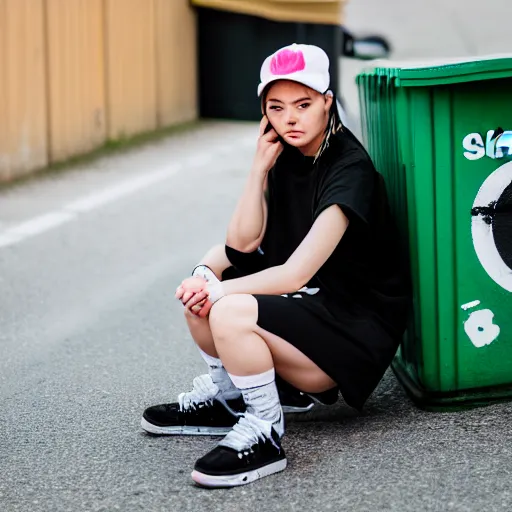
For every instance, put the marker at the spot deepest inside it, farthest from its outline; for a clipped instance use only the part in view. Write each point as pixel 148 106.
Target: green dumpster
pixel 441 135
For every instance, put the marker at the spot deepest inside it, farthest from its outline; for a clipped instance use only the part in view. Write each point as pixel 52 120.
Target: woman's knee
pixel 233 313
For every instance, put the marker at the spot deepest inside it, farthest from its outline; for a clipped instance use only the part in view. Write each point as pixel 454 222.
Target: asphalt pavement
pixel 90 335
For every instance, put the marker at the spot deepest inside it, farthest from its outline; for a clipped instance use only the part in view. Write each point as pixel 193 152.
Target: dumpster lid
pixel 443 71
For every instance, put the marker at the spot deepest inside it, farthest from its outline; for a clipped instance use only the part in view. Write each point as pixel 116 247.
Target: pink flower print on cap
pixel 286 62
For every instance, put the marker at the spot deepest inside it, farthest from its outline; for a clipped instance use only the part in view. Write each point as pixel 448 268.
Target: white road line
pixel 34 226
pixel 6 240
pixel 40 224
pixel 51 220
pixel 90 202
pixel 199 160
pixel 224 150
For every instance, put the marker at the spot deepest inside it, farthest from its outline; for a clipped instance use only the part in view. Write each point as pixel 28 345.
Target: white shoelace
pixel 203 390
pixel 247 432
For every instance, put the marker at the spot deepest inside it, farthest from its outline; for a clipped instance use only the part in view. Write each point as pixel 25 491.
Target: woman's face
pixel 298 114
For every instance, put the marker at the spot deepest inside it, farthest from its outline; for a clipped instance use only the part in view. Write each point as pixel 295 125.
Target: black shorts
pixel 352 348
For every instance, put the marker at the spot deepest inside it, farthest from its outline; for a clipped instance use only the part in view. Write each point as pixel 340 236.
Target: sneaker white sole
pixel 240 478
pixel 184 430
pixel 290 409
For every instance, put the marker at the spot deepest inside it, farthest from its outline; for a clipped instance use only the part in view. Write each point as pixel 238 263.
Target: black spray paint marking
pixel 488 212
pixel 498 214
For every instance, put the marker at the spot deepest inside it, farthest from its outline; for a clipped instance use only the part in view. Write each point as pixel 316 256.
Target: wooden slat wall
pixel 131 66
pixel 176 62
pixel 74 73
pixel 23 113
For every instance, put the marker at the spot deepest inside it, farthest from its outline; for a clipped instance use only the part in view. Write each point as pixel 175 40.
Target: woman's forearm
pixel 216 260
pixel 248 222
pixel 271 281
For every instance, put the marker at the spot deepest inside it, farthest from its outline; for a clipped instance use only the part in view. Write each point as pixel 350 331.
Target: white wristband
pixel 214 286
pixel 206 273
pixel 215 291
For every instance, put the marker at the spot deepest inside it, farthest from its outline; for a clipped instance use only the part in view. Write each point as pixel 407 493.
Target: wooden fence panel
pixel 76 72
pixel 130 64
pixel 23 117
pixel 176 61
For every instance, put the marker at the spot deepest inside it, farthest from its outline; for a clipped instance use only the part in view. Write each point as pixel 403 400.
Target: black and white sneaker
pixel 202 411
pixel 250 451
pixel 295 401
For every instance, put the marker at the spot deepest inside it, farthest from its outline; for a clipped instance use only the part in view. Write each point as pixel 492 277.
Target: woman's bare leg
pixel 252 449
pixel 201 333
pixel 247 349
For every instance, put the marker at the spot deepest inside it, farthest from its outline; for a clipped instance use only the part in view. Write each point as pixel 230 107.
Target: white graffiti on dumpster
pixel 480 327
pixel 498 144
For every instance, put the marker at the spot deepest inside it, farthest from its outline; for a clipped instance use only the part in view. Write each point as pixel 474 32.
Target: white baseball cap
pixel 302 63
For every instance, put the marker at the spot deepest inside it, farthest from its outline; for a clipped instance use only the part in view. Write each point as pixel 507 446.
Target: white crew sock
pixel 220 376
pixel 261 397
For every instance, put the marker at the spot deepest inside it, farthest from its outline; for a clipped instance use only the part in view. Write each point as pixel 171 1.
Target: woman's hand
pixel 193 294
pixel 189 287
pixel 202 309
pixel 268 149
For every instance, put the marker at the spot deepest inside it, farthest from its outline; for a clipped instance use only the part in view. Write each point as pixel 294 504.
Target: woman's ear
pixel 328 100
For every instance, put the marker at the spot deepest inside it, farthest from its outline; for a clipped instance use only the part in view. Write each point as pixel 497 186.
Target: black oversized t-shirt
pixel 366 272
